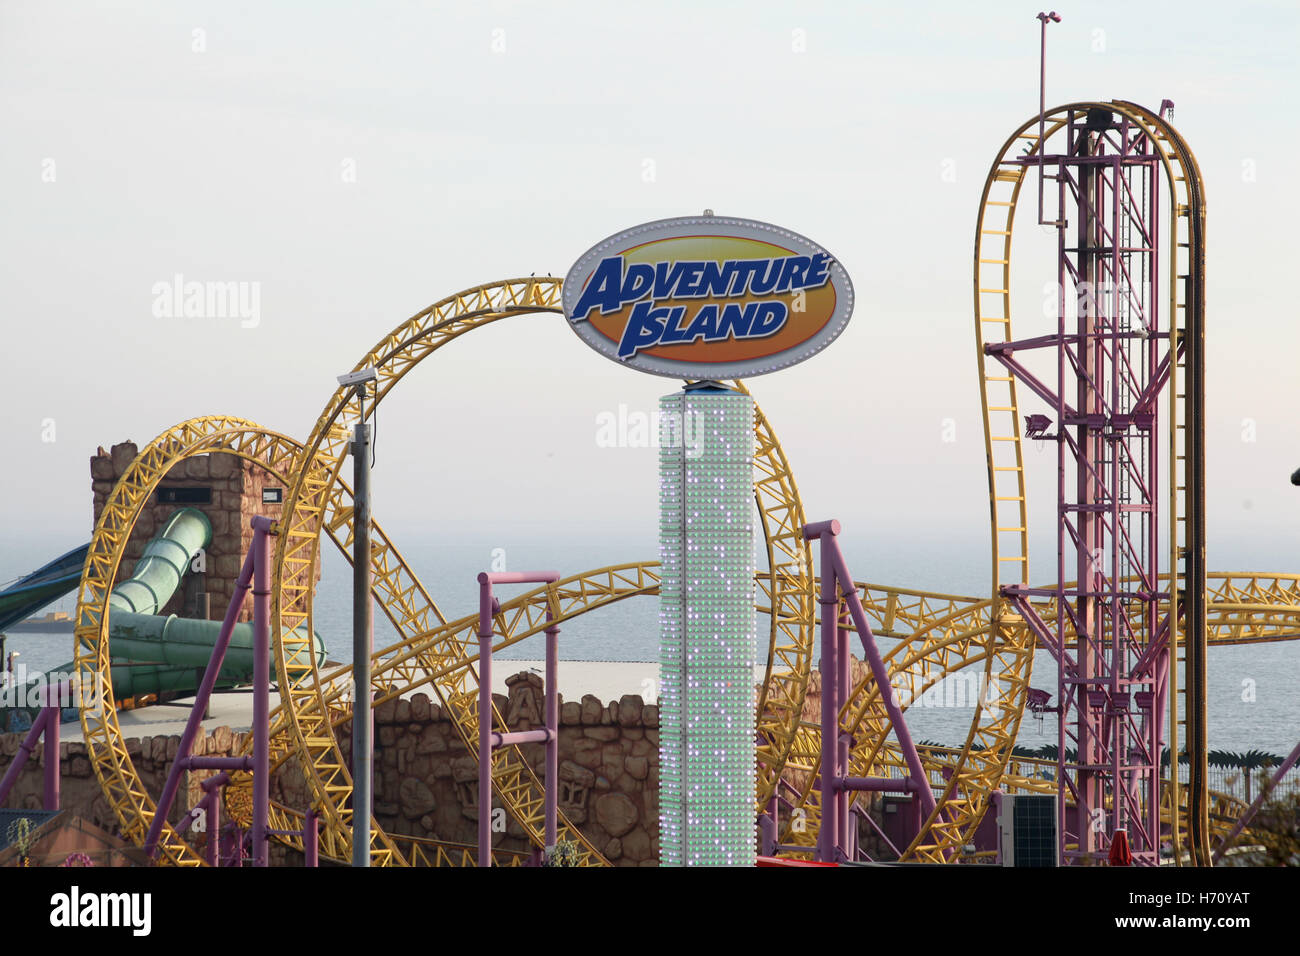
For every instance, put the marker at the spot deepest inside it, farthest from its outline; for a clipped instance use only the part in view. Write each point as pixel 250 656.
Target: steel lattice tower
pixel 1114 349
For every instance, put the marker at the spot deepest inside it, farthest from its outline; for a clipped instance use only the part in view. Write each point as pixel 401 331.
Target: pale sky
pixel 361 161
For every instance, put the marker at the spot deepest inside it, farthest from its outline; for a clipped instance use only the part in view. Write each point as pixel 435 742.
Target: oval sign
pixel 708 297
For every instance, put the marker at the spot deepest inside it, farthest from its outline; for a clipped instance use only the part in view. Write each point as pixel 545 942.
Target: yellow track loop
pixel 957 638
pixel 309 509
pixel 940 635
pixel 393 587
pixel 1245 609
pixel 1186 254
pixel 789 588
pixel 1002 428
pixel 105 745
pixel 407 605
pixel 422 660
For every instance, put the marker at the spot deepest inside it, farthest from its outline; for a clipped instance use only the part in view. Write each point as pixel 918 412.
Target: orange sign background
pixel 818 304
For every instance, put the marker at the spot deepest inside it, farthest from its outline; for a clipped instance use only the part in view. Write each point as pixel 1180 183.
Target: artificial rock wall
pixel 426 782
pixel 236 489
pixel 152 758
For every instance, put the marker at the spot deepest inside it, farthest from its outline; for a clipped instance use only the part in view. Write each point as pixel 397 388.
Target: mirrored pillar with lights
pixel 707 628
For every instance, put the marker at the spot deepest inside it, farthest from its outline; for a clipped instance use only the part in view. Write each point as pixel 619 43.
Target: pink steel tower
pixel 1113 349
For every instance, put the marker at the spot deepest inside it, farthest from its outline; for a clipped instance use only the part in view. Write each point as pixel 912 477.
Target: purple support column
pixel 260 551
pixel 213 811
pixel 52 779
pixel 835 574
pixel 767 835
pixel 828 836
pixel 210 803
pixel 310 839
pixel 487 607
pixel 484 735
pixel 551 781
pixel 772 821
pixel 201 699
pixel 25 750
pixel 844 680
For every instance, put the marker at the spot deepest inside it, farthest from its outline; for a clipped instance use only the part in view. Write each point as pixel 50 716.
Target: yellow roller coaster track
pixel 1002 420
pixel 395 588
pixel 938 634
pixel 320 502
pixel 398 669
pixel 1036 775
pixel 308 509
pixel 106 747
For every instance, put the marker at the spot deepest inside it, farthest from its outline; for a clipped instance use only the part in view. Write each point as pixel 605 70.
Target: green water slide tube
pixel 166 557
pixel 153 654
pixel 165 654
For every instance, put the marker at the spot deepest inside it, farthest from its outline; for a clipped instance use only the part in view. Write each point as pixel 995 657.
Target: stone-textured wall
pixel 236 497
pixel 426 782
pixel 152 758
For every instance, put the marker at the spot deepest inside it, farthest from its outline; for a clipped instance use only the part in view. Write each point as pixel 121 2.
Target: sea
pixel 1254 690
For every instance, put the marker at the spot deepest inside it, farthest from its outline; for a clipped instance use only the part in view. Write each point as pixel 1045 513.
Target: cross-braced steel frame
pixel 1113 351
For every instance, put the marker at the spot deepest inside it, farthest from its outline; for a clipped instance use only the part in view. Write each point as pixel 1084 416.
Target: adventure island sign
pixel 708 298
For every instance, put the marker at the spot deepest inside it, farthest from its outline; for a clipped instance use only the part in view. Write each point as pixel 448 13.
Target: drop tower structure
pixel 1121 376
